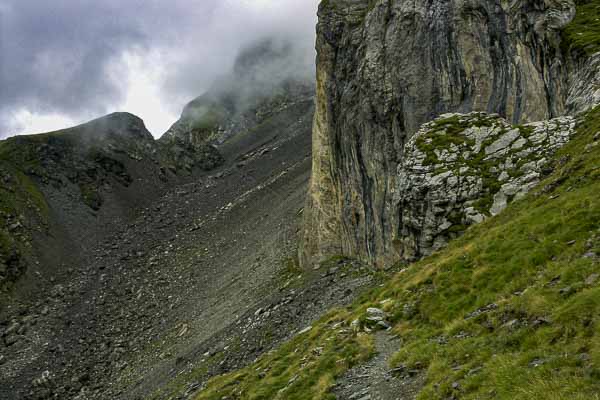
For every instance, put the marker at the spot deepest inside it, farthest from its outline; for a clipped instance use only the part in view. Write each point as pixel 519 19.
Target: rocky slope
pixel 386 67
pixel 126 260
pixel 61 190
pixel 158 288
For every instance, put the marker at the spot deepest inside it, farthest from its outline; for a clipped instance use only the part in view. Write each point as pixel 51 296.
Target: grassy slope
pixel 540 340
pixel 20 158
pixel 583 34
pixel 21 202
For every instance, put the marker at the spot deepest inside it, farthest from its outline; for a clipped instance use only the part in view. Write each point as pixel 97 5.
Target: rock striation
pixel 385 67
pixel 584 87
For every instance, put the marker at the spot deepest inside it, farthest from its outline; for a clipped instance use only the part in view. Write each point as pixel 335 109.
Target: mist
pixel 68 61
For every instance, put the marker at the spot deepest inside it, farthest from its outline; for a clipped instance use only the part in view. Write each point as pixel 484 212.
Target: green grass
pixel 23 196
pixel 303 368
pixel 20 200
pixel 26 195
pixel 541 340
pixel 583 33
pixel 510 261
pixel 23 193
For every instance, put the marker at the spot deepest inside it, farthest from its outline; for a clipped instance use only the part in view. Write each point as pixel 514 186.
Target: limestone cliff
pixel 385 67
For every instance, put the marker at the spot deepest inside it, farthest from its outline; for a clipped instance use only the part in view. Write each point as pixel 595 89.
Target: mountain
pixel 436 237
pixel 455 151
pixel 112 165
pixel 62 189
pixel 385 68
pixel 266 79
pixel 119 252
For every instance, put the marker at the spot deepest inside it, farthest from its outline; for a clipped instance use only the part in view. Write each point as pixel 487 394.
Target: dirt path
pixel 375 381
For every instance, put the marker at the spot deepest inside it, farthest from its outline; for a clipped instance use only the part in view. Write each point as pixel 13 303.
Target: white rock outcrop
pixel 462 168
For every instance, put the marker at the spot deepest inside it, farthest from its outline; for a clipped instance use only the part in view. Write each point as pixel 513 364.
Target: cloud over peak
pixel 77 59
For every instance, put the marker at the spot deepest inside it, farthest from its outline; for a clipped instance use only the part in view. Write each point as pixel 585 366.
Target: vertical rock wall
pixel 384 68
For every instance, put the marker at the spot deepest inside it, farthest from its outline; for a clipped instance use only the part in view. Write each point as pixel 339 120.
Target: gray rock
pixel 593 278
pixel 22 330
pixel 10 340
pixel 375 312
pixel 438 199
pixel 503 142
pixel 12 328
pixel 500 203
pixel 43 380
pixel 384 325
pixel 384 69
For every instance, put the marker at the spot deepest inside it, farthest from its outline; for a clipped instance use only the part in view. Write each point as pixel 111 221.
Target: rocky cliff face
pixel 385 67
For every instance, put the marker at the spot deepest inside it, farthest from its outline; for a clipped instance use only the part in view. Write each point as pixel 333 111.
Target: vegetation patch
pixel 583 33
pixel 209 121
pixel 304 368
pixel 22 207
pixel 446 132
pixel 449 133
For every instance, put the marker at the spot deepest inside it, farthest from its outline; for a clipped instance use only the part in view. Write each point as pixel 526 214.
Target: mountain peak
pixel 118 124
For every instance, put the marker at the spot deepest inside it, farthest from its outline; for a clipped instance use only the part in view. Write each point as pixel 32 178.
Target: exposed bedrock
pixel 460 169
pixel 386 67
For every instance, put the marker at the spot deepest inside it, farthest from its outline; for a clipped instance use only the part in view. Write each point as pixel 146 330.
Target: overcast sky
pixel 63 62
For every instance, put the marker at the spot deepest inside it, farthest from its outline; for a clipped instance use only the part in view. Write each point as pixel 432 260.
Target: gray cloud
pixel 64 56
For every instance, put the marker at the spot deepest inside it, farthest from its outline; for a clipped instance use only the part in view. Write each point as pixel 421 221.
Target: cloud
pixel 77 59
